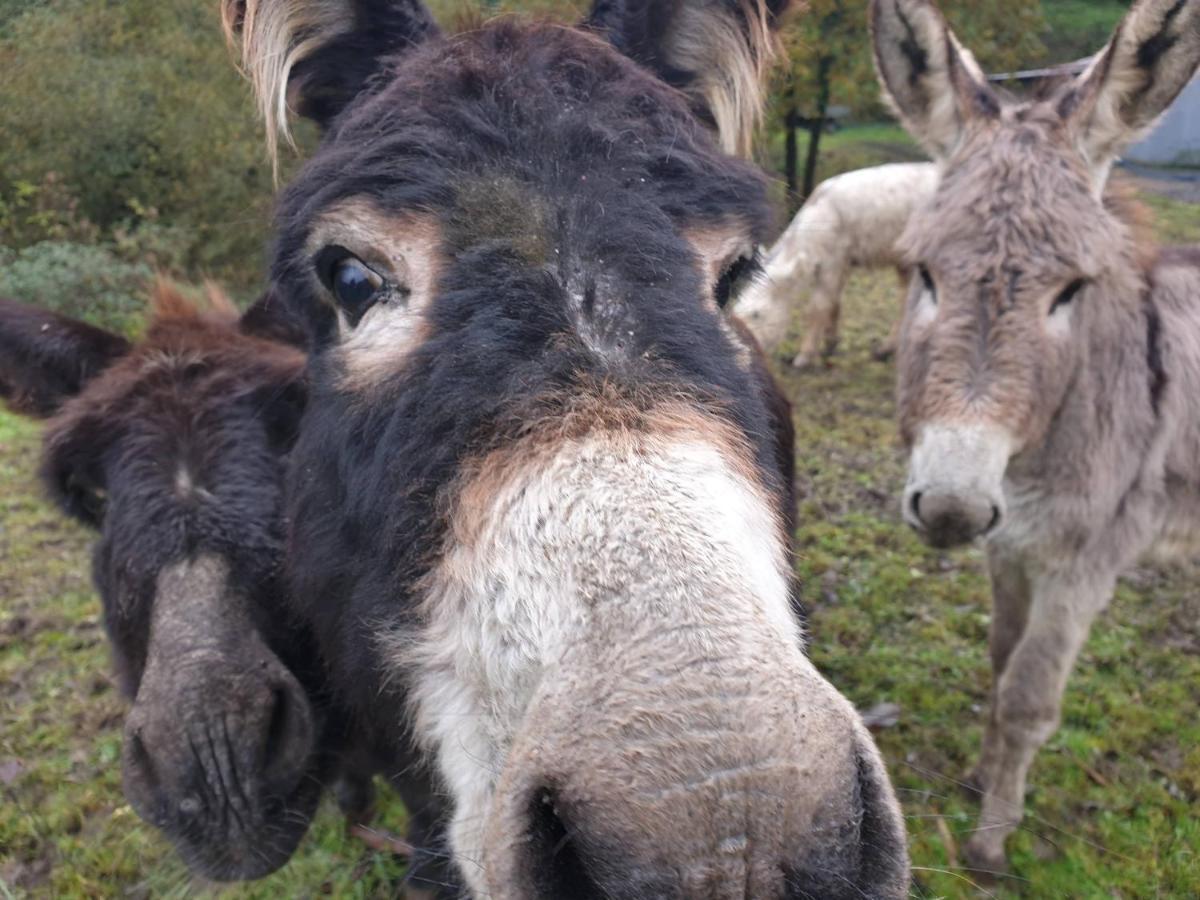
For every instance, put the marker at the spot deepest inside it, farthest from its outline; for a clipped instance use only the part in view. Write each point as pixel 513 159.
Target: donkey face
pixel 172 449
pixel 1019 259
pixel 534 497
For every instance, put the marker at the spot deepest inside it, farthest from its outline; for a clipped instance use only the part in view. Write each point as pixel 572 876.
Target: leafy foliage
pixel 83 280
pixel 136 107
pixel 829 51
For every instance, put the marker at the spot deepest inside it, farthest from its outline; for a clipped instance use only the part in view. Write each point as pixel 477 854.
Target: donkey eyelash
pixel 326 261
pixel 742 271
pixel 1068 294
pixel 927 282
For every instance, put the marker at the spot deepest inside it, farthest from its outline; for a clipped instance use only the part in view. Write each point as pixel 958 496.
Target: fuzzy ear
pixel 270 318
pixel 716 51
pixel 281 405
pixel 73 463
pixel 1131 82
pixel 45 358
pixel 316 56
pixel 932 82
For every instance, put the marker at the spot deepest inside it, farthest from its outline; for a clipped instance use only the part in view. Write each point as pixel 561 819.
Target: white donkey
pixel 853 219
pixel 1049 362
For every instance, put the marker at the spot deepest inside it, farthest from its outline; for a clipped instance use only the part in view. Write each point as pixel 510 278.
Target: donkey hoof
pixel 984 858
pixel 802 362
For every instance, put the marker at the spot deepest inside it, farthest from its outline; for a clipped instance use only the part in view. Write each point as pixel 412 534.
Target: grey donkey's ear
pixel 716 51
pixel 1150 59
pixel 932 82
pixel 316 56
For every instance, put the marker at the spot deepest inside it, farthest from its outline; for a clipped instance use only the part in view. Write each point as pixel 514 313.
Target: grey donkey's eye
pixel 927 282
pixel 1068 294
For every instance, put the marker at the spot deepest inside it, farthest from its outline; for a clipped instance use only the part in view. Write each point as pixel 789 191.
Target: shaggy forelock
pixel 1018 187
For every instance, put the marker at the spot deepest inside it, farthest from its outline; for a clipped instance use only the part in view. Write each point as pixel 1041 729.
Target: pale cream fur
pixel 851 220
pixel 650 550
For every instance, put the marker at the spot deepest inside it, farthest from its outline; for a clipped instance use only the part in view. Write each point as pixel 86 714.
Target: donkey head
pixel 1021 264
pixel 173 450
pixel 534 498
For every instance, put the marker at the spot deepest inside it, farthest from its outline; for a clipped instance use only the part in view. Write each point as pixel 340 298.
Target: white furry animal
pixel 851 220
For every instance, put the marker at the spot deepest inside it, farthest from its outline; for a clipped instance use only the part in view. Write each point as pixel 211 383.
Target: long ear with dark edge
pixel 316 56
pixel 716 51
pixel 270 318
pixel 931 81
pixel 1150 59
pixel 46 358
pixel 73 468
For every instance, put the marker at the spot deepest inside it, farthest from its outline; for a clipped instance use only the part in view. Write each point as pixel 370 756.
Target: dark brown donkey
pixel 173 449
pixel 1049 368
pixel 534 503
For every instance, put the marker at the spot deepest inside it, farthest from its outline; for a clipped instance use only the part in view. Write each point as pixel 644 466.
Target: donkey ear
pixel 45 358
pixel 1150 59
pixel 270 318
pixel 933 83
pixel 716 51
pixel 316 56
pixel 73 462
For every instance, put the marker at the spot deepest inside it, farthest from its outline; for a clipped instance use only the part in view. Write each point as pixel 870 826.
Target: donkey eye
pixel 1068 295
pixel 354 284
pixel 735 276
pixel 927 282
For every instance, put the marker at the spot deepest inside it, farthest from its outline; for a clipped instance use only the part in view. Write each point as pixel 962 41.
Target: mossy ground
pixel 1112 810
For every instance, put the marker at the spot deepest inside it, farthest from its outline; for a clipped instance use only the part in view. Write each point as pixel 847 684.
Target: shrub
pixel 81 280
pixel 137 108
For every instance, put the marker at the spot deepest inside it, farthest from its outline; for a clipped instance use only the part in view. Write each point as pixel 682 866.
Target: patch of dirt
pixel 28 874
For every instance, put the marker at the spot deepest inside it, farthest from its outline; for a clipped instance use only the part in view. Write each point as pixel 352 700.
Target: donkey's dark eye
pixel 734 278
pixel 354 284
pixel 927 282
pixel 1068 295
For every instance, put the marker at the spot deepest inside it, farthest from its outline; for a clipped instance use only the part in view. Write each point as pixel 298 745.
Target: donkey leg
pixel 1011 593
pixel 821 319
pixel 432 874
pixel 1029 701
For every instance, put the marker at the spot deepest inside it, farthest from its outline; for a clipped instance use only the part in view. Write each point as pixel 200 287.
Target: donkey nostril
pixel 915 504
pixel 277 728
pixel 141 762
pixel 555 865
pixel 995 520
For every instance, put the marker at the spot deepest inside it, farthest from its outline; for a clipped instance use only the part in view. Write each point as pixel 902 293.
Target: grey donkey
pixel 1049 361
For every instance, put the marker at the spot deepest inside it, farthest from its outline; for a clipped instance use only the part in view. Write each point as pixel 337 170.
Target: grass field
pixel 1111 813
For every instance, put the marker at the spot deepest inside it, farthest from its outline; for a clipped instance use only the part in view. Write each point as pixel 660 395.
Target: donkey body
pixel 1049 364
pixel 535 500
pixel 173 448
pixel 851 220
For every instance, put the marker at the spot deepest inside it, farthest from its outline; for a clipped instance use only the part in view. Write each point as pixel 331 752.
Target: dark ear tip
pixel 233 17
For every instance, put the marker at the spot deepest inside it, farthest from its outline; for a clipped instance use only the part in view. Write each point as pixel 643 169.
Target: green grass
pixel 1112 808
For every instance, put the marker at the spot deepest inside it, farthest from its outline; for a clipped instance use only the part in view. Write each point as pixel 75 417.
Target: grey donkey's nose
pixel 949 517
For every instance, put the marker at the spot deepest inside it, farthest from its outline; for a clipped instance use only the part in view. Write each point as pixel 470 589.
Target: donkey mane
pixel 167 301
pixel 275 41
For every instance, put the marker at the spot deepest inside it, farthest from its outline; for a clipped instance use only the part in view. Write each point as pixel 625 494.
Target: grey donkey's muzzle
pixel 955 483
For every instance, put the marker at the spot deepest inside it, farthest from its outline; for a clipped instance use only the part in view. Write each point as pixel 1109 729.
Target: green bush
pixel 138 110
pixel 86 281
